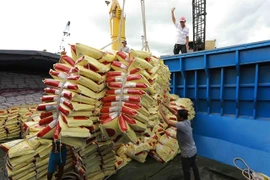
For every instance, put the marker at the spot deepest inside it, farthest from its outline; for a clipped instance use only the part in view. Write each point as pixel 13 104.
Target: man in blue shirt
pixel 58 157
pixel 185 141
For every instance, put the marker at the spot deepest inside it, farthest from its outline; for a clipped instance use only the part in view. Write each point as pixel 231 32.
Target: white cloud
pixel 38 25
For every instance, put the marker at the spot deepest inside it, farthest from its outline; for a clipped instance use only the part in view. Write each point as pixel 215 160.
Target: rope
pixel 247 172
pixel 120 30
pixel 121 24
pixel 72 176
pixel 146 47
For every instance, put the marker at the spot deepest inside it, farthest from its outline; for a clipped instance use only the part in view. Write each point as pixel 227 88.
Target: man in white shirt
pixel 125 48
pixel 182 35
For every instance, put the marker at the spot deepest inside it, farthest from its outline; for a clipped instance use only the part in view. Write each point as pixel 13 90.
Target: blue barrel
pixel 230 88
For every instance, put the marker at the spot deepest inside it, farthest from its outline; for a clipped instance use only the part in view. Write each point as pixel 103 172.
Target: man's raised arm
pixel 173 17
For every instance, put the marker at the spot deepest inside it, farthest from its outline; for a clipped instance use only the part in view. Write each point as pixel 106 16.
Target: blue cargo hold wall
pixel 230 88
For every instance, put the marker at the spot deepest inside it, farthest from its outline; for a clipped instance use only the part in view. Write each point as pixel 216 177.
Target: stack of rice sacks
pixel 11 120
pixel 95 160
pixel 71 108
pixel 10 124
pixel 28 158
pixel 129 107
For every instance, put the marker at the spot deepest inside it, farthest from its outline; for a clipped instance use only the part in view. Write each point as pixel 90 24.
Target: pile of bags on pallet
pixel 28 158
pixel 105 106
pixel 11 120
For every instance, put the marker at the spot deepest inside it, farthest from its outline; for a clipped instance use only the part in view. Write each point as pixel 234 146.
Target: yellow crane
pixel 116 13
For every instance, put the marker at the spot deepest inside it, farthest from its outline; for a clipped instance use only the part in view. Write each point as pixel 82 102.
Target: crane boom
pixel 115 24
pixel 66 34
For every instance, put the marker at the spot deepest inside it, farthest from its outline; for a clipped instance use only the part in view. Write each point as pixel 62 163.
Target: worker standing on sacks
pixel 182 35
pixel 58 157
pixel 125 48
pixel 185 141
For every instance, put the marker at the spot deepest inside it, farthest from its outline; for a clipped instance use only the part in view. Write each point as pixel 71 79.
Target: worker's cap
pixel 183 19
pixel 124 41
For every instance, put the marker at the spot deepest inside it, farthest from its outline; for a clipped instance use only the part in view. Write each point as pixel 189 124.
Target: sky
pixel 39 24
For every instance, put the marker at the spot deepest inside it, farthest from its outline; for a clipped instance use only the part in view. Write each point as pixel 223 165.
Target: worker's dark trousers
pixel 180 47
pixel 187 164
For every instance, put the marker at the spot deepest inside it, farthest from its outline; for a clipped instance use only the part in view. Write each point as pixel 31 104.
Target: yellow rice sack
pixel 82 49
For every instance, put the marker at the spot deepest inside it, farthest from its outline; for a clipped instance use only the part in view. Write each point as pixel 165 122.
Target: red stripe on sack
pixel 129 111
pixel 147 59
pixel 135 91
pixel 45 120
pixel 134 99
pixel 105 110
pixel 64 118
pixel 139 153
pixel 128 119
pixel 57 131
pixel 115 84
pixel 79 60
pixel 111 115
pixel 135 70
pixel 68 59
pixel 45 114
pixel 52 82
pixel 49 98
pixel 91 67
pixel 25 127
pixel 109 99
pixel 73 78
pixel 105 120
pixel 119 64
pixel 74 70
pixel 67 95
pixel 112 91
pixel 44 131
pixel 141 85
pixel 107 104
pixel 122 54
pixel 133 106
pixel 49 90
pixel 73 48
pixel 114 73
pixel 53 73
pixel 110 79
pixel 68 104
pixel 72 86
pixel 65 112
pixel 41 107
pixel 61 67
pixel 134 77
pixel 119 162
pixel 123 124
